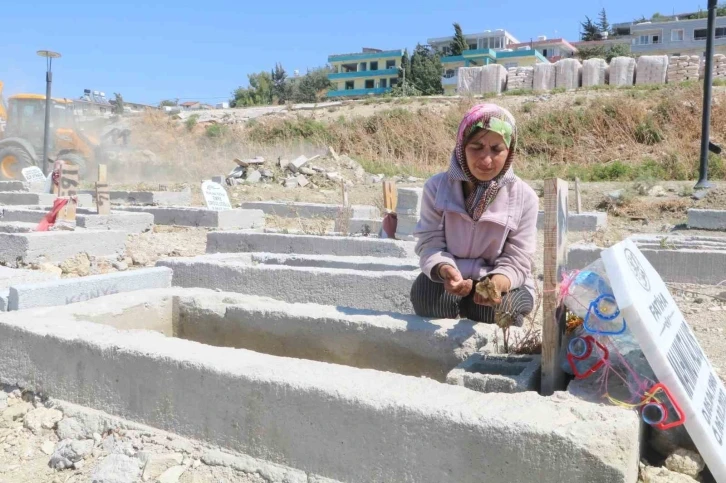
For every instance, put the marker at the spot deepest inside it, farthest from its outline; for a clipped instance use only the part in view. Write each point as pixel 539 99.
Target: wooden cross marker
pixel 390 196
pixel 103 195
pixel 68 188
pixel 555 263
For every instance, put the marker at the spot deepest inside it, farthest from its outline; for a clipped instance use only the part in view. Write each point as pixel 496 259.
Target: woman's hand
pixel 454 283
pixel 501 284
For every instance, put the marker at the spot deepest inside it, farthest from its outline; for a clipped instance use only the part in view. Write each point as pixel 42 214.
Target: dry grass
pixel 629 134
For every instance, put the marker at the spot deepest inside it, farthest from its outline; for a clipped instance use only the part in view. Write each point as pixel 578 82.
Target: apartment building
pixel 488 47
pixel 551 49
pixel 677 35
pixel 370 72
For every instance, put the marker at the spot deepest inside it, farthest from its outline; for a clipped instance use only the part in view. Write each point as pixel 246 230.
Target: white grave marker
pixel 33 174
pixel 215 196
pixel 671 349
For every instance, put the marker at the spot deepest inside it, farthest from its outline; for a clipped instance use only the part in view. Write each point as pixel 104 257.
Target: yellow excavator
pixel 22 124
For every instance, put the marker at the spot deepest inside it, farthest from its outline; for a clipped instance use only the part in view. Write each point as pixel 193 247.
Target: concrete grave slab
pixel 404 344
pixel 16 185
pixel 501 373
pixel 409 201
pixel 201 217
pixel 309 210
pixel 679 259
pixel 592 221
pixel 57 246
pixel 359 226
pixel 381 291
pixel 707 219
pixel 17 227
pixel 15 276
pixel 380 426
pixel 73 290
pixel 149 198
pixel 247 241
pixel 85 218
pixel 324 261
pixel 27 198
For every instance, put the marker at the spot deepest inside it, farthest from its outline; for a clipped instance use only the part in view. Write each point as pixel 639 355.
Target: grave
pixel 310 210
pixel 148 198
pixel 57 246
pixel 707 219
pixel 85 218
pixel 351 392
pixel 677 258
pixel 201 217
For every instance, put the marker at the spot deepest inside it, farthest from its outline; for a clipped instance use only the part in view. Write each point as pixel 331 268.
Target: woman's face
pixel 486 154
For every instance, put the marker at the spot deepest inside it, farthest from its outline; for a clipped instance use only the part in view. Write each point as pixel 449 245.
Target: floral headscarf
pixel 492 118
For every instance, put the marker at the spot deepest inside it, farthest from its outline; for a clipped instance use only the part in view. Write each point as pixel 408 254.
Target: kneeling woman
pixel 478 225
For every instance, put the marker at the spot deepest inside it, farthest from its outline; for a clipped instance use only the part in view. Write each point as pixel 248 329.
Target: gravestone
pixel 215 196
pixel 33 174
pixel 672 350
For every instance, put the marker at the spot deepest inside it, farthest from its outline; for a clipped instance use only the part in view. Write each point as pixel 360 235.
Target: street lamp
pixel 48 81
pixel 706 144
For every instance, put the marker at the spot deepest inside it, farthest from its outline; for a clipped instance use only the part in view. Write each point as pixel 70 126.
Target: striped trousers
pixel 430 300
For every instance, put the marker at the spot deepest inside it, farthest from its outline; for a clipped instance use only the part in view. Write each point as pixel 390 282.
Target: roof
pixel 189 103
pixel 38 97
pixel 540 43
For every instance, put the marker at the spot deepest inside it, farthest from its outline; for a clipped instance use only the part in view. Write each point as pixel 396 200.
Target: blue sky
pixel 154 50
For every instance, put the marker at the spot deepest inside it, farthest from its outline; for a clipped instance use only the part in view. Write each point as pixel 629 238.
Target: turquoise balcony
pixel 359 92
pixel 364 73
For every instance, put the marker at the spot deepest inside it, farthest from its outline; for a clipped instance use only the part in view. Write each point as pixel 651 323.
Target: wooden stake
pixel 390 196
pixel 578 199
pixel 68 188
pixel 555 261
pixel 103 194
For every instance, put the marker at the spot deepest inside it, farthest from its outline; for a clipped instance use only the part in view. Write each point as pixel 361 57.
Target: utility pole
pixel 707 89
pixel 48 81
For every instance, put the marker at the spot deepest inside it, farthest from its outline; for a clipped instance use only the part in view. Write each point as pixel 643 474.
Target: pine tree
pixel 458 45
pixel 590 31
pixel 280 88
pixel 426 71
pixel 404 74
pixel 603 23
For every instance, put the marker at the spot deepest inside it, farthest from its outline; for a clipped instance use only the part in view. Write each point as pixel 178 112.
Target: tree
pixel 169 103
pixel 258 93
pixel 119 107
pixel 590 31
pixel 603 52
pixel 280 88
pixel 603 23
pixel 426 71
pixel 404 73
pixel 458 45
pixel 312 87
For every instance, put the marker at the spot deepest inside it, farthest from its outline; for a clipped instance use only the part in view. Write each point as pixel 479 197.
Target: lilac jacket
pixel 502 241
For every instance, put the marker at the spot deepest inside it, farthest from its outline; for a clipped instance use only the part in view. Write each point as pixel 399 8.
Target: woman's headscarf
pixel 491 118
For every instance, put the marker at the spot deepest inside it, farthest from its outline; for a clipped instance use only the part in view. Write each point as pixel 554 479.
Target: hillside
pixel 650 132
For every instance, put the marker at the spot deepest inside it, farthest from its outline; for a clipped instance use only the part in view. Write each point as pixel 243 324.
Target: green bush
pixel 191 121
pixel 215 130
pixel 646 132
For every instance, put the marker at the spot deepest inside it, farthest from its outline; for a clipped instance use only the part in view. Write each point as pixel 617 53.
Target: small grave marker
pixel 68 188
pixel 555 261
pixel 672 350
pixel 215 196
pixel 33 174
pixel 103 194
